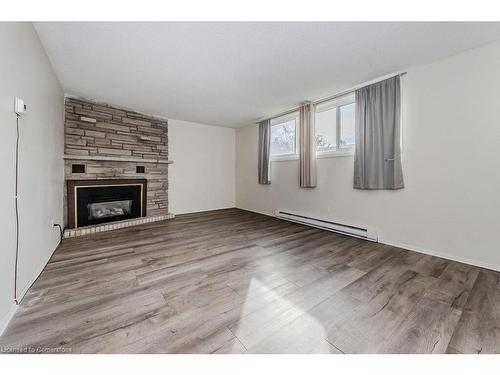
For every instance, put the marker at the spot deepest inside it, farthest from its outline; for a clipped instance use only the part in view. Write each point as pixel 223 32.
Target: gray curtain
pixel 377 160
pixel 264 152
pixel 307 147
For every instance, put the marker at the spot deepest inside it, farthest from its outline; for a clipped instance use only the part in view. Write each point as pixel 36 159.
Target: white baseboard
pixel 257 212
pixel 37 274
pixel 4 320
pixel 203 210
pixel 472 262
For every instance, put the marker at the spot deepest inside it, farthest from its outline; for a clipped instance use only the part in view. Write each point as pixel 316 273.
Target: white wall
pixel 451 164
pixel 203 173
pixel 25 71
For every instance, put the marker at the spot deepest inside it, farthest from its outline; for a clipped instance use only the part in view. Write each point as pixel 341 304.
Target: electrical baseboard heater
pixel 365 233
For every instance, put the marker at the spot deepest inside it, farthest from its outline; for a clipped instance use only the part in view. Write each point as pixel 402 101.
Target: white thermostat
pixel 19 106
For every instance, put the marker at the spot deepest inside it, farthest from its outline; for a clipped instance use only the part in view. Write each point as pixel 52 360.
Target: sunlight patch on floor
pixel 278 327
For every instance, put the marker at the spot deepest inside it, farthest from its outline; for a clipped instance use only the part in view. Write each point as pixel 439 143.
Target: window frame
pixel 329 105
pixel 325 106
pixel 283 119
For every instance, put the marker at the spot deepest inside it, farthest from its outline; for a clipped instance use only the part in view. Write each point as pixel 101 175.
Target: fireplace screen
pixel 109 209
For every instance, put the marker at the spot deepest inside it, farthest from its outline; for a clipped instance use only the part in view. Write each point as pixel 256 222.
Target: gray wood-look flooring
pixel 232 281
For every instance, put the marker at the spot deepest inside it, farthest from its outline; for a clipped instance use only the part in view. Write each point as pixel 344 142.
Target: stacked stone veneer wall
pixel 119 134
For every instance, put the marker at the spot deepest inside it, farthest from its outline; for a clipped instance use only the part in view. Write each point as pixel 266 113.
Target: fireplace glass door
pixel 109 209
pixel 103 204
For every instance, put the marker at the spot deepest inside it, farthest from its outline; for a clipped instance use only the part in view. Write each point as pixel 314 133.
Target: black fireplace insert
pixel 105 202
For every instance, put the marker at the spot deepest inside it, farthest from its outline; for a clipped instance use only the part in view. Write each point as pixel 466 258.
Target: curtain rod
pixel 342 93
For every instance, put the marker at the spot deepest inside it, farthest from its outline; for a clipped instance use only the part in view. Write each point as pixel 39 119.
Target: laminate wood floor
pixel 232 281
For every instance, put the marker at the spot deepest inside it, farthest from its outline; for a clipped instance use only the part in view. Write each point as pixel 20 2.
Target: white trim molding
pixel 417 249
pixel 319 155
pixel 5 320
pixel 285 157
pixel 439 254
pixel 335 154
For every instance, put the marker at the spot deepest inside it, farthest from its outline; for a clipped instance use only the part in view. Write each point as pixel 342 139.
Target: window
pixel 347 125
pixel 326 130
pixel 284 139
pixel 335 125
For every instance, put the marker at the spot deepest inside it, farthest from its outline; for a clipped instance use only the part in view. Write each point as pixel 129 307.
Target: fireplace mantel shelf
pixel 122 159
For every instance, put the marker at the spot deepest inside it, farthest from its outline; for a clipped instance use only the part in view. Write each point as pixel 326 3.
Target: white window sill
pixel 321 155
pixel 335 154
pixel 285 157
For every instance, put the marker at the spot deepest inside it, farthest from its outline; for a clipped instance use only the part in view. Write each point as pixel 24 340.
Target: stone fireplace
pixel 116 167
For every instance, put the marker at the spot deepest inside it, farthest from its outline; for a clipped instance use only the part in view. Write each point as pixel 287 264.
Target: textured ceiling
pixel 231 74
